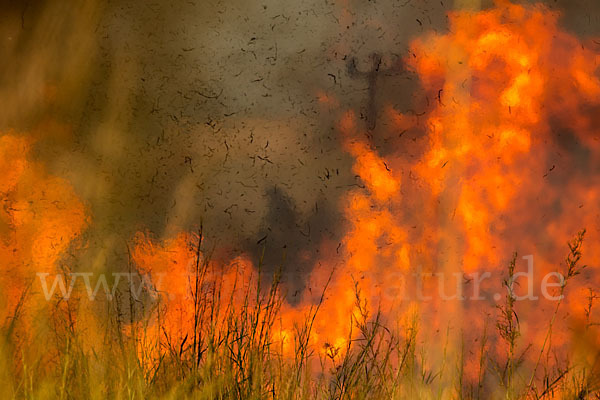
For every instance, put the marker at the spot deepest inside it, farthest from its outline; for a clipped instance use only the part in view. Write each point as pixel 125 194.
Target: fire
pixel 40 219
pixel 498 154
pixel 193 294
pixel 499 84
pixel 503 79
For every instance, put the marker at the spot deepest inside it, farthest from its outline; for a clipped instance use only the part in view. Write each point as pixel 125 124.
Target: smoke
pixel 222 114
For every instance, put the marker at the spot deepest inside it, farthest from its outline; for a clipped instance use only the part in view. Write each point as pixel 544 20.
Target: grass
pixel 228 351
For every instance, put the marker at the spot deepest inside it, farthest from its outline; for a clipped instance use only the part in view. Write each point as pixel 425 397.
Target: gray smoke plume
pixel 165 116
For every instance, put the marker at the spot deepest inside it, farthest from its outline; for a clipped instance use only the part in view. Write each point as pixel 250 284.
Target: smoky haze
pixel 222 113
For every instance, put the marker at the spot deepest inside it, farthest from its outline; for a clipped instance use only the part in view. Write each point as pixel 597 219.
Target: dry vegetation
pixel 234 357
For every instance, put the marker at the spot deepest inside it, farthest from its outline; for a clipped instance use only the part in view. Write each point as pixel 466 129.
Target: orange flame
pixel 494 175
pixel 40 218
